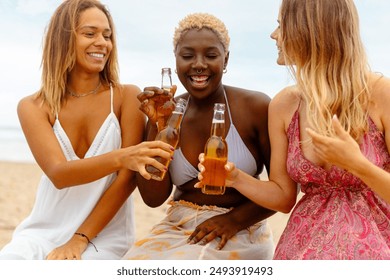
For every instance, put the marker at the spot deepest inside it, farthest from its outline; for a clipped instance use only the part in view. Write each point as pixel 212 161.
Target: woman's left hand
pixel 71 250
pixel 341 150
pixel 221 226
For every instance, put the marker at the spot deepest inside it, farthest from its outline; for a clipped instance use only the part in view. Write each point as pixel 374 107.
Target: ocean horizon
pixel 13 145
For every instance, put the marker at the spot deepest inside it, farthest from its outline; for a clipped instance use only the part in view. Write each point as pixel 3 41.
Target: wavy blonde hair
pixel 199 21
pixel 59 53
pixel 322 39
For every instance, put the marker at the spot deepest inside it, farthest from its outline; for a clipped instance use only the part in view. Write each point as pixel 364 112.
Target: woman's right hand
pixel 157 104
pixel 137 157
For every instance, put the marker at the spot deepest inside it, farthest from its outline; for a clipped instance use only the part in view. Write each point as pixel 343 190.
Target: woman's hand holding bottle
pixel 158 103
pixel 231 173
pixel 137 157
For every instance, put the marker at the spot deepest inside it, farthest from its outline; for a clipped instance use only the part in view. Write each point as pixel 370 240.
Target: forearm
pixel 268 194
pixel 154 193
pixel 77 172
pixel 373 176
pixel 249 213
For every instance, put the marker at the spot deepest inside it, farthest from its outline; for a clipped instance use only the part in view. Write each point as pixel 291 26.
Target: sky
pixel 144 33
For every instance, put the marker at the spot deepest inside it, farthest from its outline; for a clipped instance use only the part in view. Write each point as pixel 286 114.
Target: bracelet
pixel 86 237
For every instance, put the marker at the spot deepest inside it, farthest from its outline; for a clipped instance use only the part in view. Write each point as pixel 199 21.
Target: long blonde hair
pixel 321 38
pixel 59 54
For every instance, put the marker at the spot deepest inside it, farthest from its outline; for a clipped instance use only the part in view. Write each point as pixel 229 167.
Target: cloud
pixel 145 29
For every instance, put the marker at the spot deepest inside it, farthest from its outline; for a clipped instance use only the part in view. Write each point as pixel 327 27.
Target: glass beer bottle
pixel 166 79
pixel 164 101
pixel 215 154
pixel 170 134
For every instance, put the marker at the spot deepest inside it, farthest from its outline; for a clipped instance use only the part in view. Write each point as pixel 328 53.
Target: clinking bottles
pixel 170 134
pixel 216 153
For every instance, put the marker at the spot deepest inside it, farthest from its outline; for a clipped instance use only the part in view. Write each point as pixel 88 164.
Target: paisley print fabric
pixel 338 217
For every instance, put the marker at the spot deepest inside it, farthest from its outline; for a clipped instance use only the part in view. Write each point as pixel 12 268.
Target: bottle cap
pixel 166 70
pixel 219 106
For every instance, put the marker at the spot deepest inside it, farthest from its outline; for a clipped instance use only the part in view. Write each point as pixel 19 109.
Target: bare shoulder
pixel 380 89
pixel 287 100
pixel 380 100
pixel 127 94
pixel 284 105
pixel 240 96
pixel 128 90
pixel 31 104
pixel 32 110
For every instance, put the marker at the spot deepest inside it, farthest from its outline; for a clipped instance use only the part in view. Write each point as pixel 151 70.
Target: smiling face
pixel 93 41
pixel 200 61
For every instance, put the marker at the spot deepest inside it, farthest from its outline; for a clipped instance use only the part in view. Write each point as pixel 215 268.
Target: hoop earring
pixel 224 71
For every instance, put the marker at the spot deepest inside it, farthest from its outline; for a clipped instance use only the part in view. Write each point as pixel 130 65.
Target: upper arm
pixel 383 98
pixel 281 110
pixel 263 130
pixel 132 120
pixel 35 122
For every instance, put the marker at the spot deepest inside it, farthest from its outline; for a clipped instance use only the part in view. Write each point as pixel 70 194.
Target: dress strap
pixel 227 105
pixel 112 98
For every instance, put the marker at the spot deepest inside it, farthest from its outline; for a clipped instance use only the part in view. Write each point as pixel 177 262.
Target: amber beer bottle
pixel 216 153
pixel 170 134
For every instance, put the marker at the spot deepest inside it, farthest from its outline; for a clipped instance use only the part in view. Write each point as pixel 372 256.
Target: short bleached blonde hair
pixel 199 21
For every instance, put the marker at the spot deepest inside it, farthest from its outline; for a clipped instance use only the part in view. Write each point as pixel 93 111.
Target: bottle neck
pixel 175 119
pixel 218 124
pixel 166 81
pixel 177 115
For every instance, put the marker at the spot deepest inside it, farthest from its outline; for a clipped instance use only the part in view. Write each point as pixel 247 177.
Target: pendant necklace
pixel 84 94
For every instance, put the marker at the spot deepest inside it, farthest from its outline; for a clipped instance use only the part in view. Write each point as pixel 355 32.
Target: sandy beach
pixel 18 184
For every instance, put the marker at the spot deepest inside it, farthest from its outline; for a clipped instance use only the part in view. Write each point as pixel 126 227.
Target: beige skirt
pixel 168 239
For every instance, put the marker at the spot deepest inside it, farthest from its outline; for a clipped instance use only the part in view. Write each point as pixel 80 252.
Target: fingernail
pixel 172 148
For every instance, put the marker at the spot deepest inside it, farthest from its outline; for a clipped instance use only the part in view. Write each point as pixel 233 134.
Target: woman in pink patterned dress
pixel 330 133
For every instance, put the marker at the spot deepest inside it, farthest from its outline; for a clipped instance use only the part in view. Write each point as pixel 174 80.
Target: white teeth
pixel 199 78
pixel 98 55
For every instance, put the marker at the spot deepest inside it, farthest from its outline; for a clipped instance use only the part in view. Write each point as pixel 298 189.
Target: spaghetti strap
pixel 112 98
pixel 227 105
pixel 299 104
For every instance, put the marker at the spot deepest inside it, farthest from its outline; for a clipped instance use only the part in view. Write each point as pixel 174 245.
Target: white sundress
pixel 57 214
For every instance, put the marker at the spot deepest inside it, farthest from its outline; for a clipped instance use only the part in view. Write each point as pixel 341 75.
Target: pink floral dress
pixel 339 217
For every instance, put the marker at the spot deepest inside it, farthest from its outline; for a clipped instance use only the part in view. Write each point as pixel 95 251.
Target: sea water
pixel 13 145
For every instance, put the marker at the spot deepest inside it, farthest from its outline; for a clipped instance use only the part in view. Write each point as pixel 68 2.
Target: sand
pixel 18 184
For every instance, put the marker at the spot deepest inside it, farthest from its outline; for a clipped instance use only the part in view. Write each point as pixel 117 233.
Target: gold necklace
pixel 84 94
